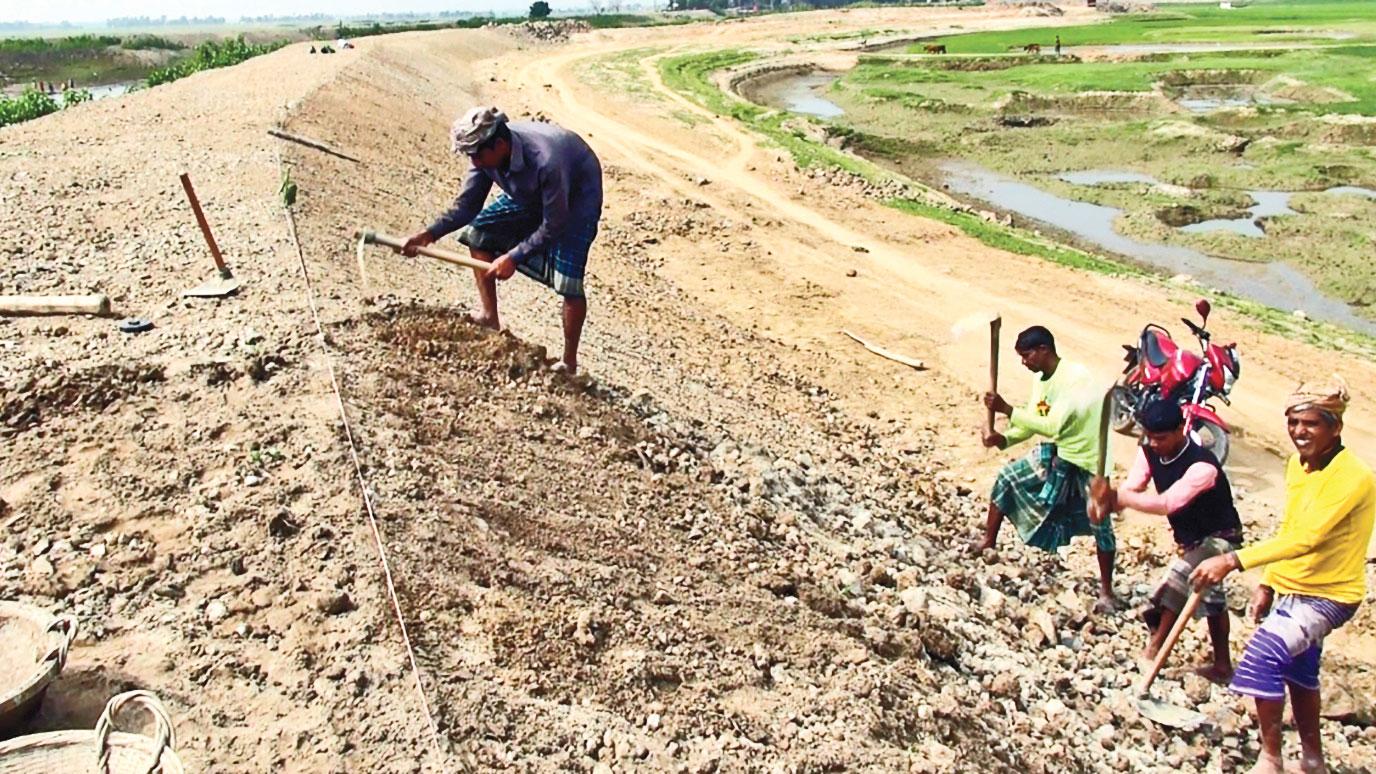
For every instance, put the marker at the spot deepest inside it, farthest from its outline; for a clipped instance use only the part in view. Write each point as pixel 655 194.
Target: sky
pixel 99 10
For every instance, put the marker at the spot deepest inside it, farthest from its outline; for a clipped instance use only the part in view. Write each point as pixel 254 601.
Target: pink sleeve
pixel 1140 473
pixel 1200 477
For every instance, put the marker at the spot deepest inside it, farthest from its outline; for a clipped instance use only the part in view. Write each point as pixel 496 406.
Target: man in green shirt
pixel 1044 493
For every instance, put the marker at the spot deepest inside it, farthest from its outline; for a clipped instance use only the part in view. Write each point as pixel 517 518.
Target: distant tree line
pixel 19 26
pixel 163 21
pixel 328 17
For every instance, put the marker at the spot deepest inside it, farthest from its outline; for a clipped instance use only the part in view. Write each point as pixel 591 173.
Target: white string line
pixel 363 486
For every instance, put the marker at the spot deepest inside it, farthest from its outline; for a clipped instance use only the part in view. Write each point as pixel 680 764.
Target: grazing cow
pixel 937 49
pixel 1033 48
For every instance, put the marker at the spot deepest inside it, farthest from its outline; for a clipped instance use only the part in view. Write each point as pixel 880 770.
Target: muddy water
pixel 1268 204
pixel 800 94
pixel 108 90
pixel 1273 284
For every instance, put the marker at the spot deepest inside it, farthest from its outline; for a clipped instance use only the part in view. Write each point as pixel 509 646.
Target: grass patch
pixel 210 55
pixel 150 42
pixel 1345 69
pixel 35 104
pixel 623 73
pixel 1272 21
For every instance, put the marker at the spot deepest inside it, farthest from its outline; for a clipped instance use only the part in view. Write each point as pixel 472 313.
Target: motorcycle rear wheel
pixel 1211 437
pixel 1121 408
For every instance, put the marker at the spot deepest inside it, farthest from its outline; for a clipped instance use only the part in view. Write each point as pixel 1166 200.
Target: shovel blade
pixel 1169 714
pixel 215 288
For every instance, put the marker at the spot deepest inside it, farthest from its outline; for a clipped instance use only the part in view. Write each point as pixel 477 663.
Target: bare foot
pixel 1106 604
pixel 477 318
pixel 1310 765
pixel 978 547
pixel 1218 674
pixel 563 367
pixel 1267 765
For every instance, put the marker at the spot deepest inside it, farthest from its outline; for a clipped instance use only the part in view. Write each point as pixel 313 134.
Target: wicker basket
pixel 102 751
pixel 35 642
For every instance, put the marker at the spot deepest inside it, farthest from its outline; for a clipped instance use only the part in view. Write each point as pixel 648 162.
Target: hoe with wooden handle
pixel 1155 709
pixel 225 284
pixel 438 253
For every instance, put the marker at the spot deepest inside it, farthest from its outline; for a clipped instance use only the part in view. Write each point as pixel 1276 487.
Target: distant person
pixel 1315 572
pixel 1058 45
pixel 1045 494
pixel 542 224
pixel 1191 490
pixel 312 49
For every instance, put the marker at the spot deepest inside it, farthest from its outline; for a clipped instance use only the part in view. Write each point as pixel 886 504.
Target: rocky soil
pixel 702 558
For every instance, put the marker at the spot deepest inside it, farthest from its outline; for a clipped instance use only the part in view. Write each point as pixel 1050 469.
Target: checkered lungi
pixel 505 223
pixel 1174 588
pixel 1287 646
pixel 1046 498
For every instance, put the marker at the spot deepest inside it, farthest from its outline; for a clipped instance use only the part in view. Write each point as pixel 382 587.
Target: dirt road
pixel 740 550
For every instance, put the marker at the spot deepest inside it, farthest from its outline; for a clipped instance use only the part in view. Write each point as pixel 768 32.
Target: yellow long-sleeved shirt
pixel 1321 547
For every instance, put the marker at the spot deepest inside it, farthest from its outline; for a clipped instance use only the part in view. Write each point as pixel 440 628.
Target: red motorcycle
pixel 1158 368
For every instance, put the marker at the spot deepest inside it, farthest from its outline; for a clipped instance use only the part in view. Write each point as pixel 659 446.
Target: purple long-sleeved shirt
pixel 552 171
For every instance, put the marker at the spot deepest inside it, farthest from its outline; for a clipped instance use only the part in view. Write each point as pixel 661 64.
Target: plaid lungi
pixel 505 223
pixel 1046 498
pixel 1175 586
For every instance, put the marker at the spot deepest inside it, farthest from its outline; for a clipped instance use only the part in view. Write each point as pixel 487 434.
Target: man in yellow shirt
pixel 1315 575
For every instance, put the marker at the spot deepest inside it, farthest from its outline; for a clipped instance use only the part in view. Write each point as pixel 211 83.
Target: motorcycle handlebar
pixel 1195 329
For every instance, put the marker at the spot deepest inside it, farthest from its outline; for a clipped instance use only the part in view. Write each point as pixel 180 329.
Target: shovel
pixel 1154 709
pixel 220 286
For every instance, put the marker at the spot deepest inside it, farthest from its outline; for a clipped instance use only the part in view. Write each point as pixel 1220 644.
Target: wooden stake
pixel 35 305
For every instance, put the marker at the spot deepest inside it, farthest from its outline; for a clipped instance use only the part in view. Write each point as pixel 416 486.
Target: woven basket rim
pixel 44 670
pixel 56 741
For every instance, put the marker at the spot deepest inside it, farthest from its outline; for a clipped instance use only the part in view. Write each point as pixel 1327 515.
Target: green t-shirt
pixel 1065 409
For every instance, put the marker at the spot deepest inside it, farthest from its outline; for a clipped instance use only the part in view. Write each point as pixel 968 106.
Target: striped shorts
pixel 505 223
pixel 1287 646
pixel 1174 587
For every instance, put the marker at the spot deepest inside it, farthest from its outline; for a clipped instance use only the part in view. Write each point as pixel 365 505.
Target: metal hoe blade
pixel 214 288
pixel 1165 714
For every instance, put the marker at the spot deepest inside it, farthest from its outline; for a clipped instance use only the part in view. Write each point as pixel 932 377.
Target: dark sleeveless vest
pixel 1211 511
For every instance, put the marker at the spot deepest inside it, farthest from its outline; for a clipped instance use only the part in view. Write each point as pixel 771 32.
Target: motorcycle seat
pixel 1152 351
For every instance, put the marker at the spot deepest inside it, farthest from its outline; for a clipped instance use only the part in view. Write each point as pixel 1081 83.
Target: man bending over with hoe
pixel 542 224
pixel 1044 494
pixel 1192 492
pixel 1315 575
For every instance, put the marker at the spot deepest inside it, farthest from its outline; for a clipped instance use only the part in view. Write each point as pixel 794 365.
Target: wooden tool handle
pixel 994 326
pixel 438 253
pixel 205 227
pixel 25 305
pixel 1107 410
pixel 1186 613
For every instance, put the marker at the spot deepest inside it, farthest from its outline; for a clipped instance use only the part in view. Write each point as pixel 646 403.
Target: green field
pixel 1303 122
pixel 1260 22
pixel 1308 127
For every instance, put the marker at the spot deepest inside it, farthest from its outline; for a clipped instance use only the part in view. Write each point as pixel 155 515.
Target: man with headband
pixel 1044 493
pixel 1192 492
pixel 1315 573
pixel 542 224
